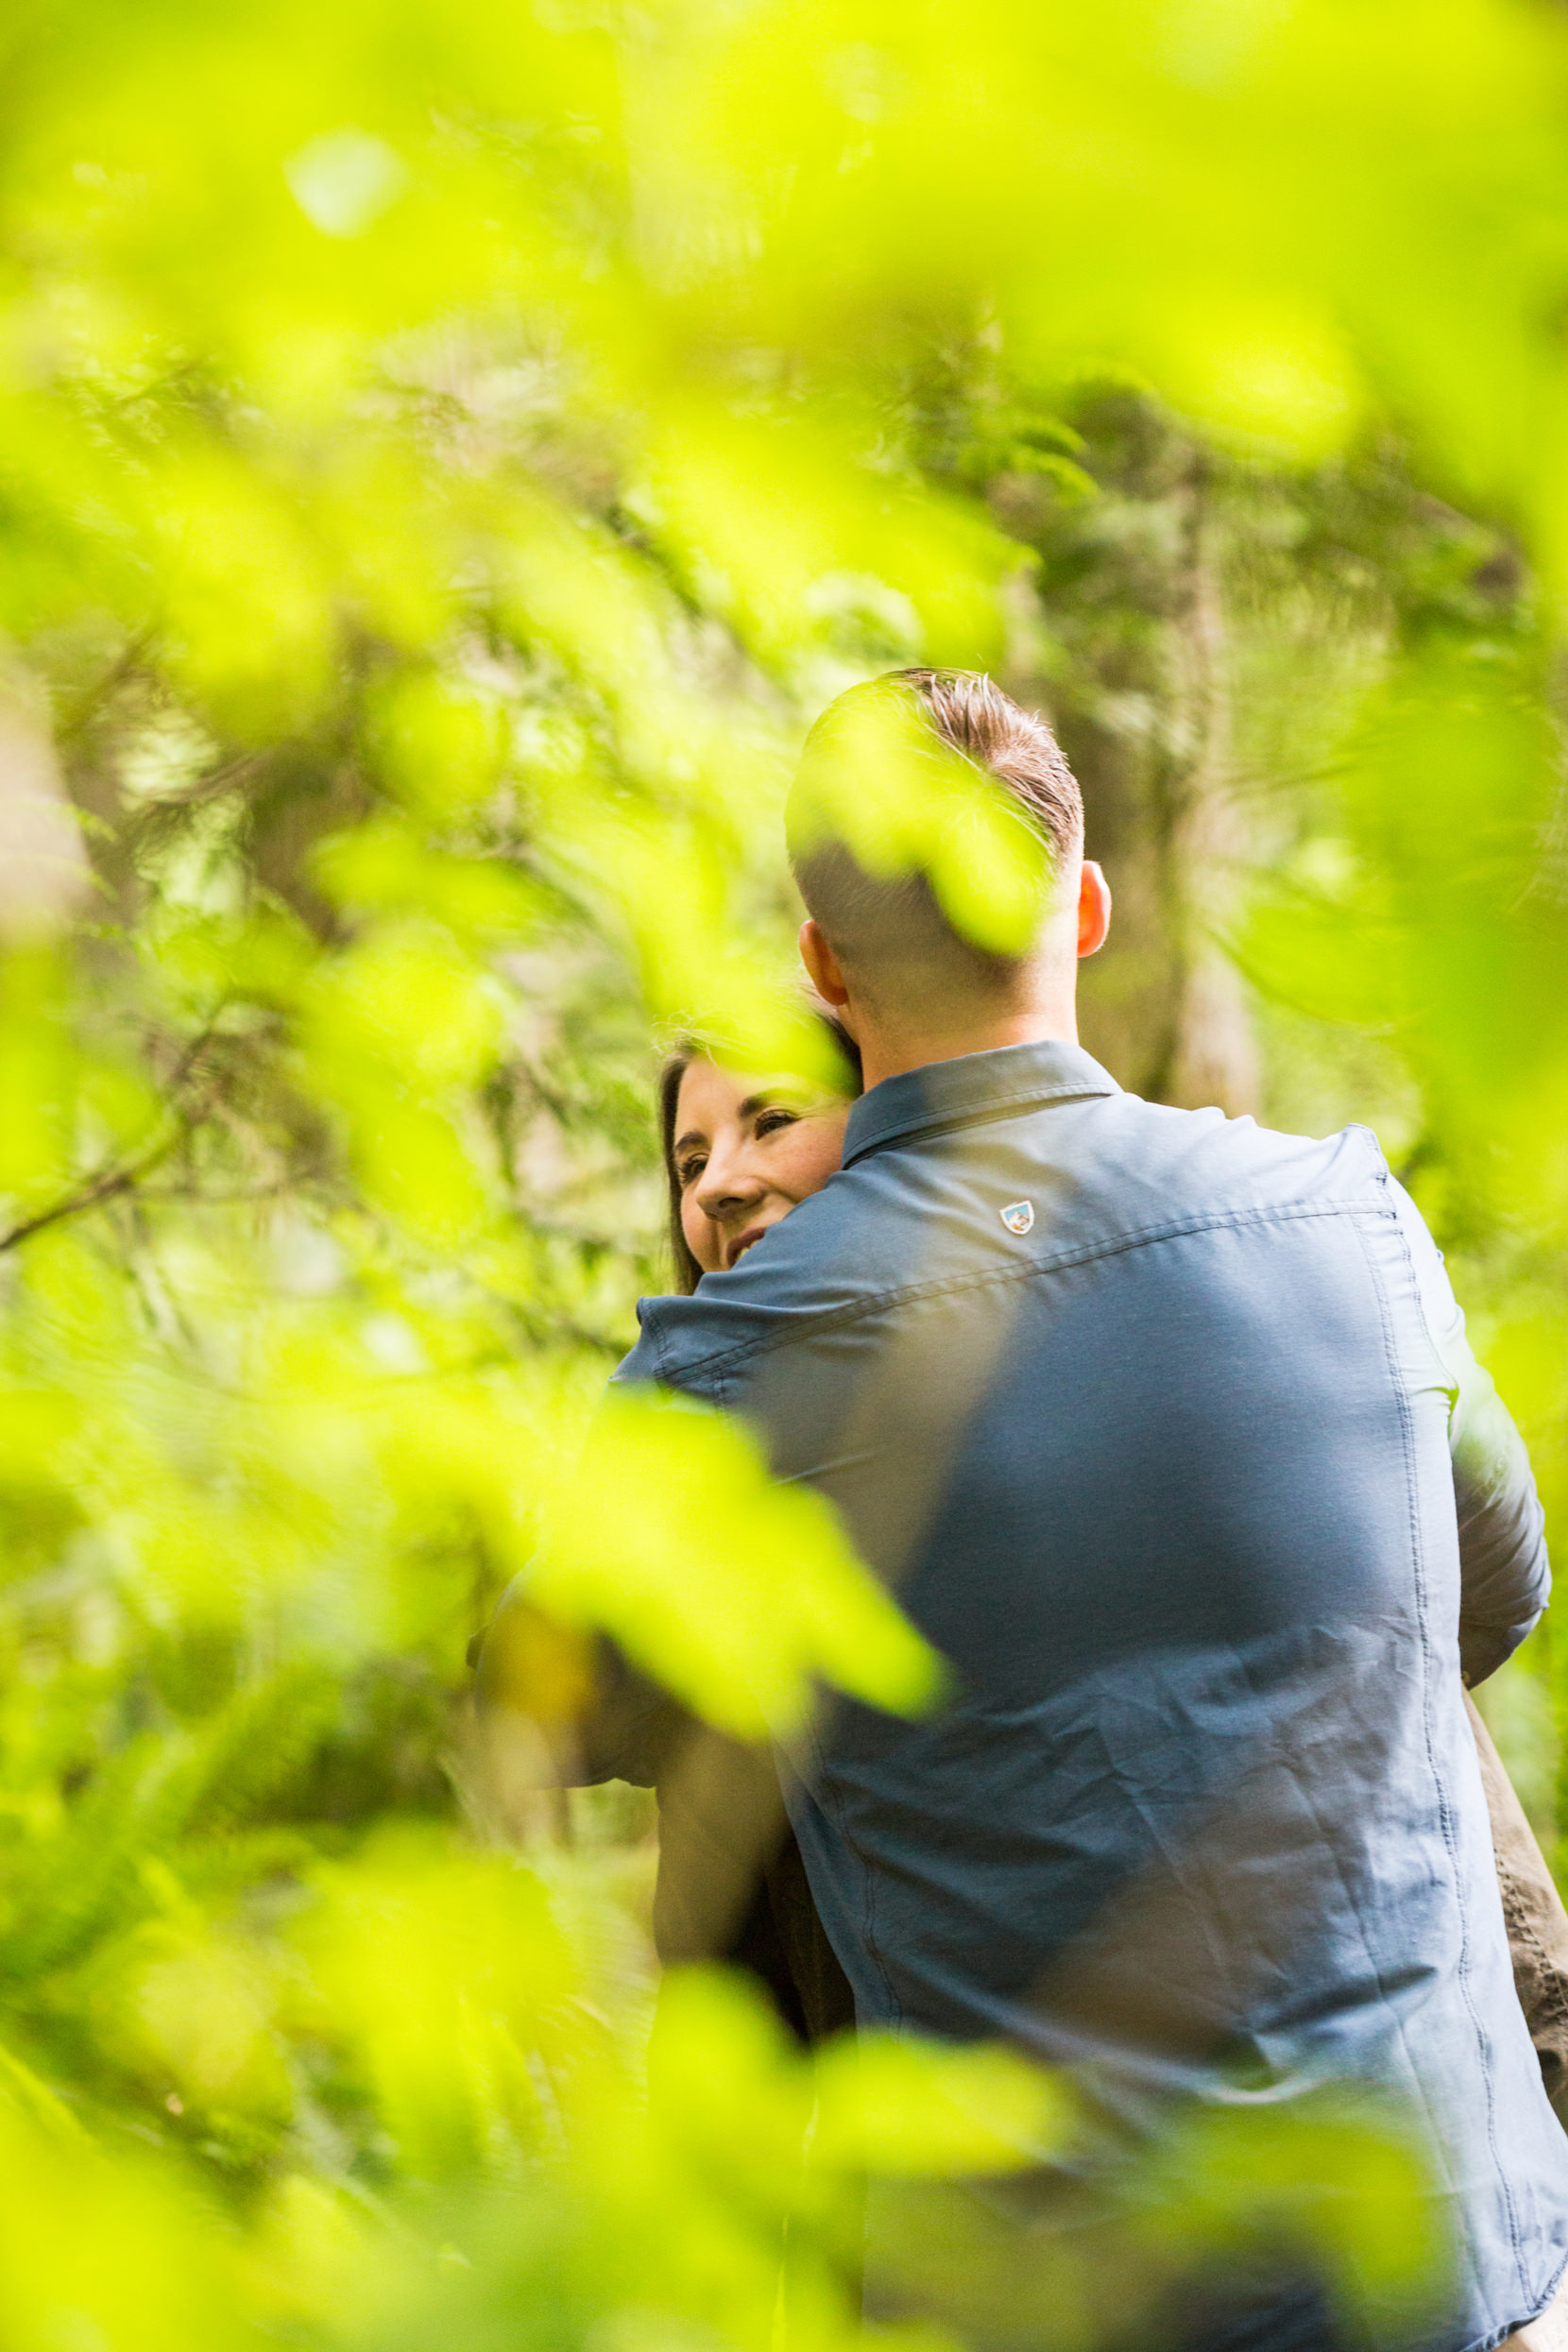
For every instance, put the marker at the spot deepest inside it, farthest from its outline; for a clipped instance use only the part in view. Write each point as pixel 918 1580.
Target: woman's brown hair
pixel 687 1272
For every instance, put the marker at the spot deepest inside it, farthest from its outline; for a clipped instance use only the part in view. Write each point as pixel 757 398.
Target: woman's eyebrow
pixel 771 1098
pixel 692 1136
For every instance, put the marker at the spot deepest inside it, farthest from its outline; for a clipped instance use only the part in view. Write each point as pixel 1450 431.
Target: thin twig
pixel 112 1181
pixel 194 1193
pixel 103 1187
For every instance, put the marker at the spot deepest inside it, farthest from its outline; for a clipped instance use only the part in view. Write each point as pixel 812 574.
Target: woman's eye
pixel 689 1169
pixel 768 1123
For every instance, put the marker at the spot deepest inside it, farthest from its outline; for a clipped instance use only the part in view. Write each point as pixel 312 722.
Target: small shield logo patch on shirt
pixel 1018 1217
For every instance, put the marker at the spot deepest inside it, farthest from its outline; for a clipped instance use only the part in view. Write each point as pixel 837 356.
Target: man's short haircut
pixel 890 927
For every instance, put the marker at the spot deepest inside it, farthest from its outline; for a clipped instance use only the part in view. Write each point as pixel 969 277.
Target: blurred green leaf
pixel 733 1590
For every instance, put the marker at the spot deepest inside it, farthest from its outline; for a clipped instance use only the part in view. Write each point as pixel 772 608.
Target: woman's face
pixel 747 1151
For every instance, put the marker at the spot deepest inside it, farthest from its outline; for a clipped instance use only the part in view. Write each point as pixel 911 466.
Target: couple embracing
pixel 1165 1433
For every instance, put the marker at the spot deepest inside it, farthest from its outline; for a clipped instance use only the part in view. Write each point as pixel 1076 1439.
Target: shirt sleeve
pixel 1504 1575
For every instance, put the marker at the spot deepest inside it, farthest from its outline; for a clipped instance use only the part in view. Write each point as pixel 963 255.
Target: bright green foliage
pixel 730 1589
pixel 448 452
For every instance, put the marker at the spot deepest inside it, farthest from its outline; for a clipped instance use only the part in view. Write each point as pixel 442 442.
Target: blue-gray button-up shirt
pixel 1165 1429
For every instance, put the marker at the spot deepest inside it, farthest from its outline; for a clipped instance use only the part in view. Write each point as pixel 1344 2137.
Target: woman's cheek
pixel 701 1237
pixel 817 1150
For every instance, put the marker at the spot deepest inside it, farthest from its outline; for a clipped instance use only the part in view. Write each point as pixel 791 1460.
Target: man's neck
pixel 888 1052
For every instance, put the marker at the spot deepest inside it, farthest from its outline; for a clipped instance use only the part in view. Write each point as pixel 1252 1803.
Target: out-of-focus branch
pixel 105 1186
pixel 126 1175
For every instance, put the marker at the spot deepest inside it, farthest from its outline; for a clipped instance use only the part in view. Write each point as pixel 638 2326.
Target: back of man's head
pixel 936 833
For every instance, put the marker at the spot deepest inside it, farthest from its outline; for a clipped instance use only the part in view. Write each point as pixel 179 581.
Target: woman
pixel 739 1154
pixel 730 1877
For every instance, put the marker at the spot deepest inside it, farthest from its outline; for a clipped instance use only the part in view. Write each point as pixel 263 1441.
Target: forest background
pixel 449 455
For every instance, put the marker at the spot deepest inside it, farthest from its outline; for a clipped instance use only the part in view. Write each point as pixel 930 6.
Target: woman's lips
pixel 743 1241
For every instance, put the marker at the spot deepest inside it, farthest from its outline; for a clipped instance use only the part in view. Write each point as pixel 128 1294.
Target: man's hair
pixel 890 927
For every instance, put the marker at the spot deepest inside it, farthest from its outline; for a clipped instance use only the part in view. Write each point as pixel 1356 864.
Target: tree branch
pixel 112 1181
pixel 102 1188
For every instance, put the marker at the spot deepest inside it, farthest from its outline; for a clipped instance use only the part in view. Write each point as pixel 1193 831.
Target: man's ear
pixel 1094 910
pixel 822 965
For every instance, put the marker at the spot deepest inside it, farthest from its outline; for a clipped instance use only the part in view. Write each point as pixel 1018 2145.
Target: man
pixel 1165 1430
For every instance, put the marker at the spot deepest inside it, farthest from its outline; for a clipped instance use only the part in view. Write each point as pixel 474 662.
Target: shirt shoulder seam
pixel 837 1317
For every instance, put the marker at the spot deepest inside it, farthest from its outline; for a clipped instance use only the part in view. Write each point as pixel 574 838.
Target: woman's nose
pixel 726 1184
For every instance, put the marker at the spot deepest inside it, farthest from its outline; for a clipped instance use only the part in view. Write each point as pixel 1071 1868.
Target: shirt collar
pixel 972 1088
